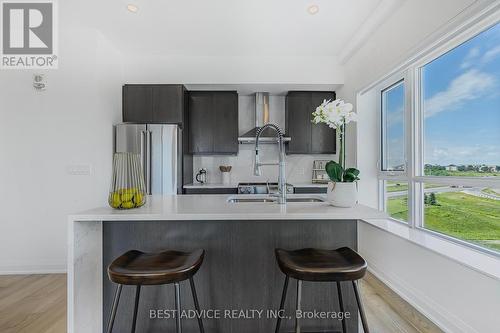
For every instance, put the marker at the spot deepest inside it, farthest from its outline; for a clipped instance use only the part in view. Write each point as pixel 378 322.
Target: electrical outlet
pixel 79 170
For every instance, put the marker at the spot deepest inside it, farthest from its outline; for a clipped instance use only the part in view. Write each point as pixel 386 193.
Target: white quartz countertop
pixel 217 207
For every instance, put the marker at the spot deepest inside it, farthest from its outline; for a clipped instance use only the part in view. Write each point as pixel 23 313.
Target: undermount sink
pixel 289 199
pixel 239 200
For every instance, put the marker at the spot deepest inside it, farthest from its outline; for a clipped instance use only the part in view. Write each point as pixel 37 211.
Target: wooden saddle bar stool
pixel 315 265
pixel 150 269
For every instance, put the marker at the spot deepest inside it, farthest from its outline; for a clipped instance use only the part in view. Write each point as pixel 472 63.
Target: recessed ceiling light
pixel 313 9
pixel 132 8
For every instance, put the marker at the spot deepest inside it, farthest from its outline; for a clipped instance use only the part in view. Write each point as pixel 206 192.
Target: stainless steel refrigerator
pixel 160 148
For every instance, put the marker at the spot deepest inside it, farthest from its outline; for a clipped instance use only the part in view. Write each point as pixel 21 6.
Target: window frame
pixel 411 74
pixel 389 83
pixel 404 77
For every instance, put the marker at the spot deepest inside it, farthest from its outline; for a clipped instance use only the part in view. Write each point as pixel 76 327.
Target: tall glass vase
pixel 128 189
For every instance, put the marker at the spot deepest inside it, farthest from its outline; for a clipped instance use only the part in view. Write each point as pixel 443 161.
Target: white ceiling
pixel 228 27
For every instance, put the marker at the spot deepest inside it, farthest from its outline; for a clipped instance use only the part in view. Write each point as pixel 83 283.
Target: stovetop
pixel 261 188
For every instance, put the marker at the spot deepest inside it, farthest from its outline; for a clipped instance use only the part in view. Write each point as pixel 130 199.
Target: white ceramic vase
pixel 226 178
pixel 342 194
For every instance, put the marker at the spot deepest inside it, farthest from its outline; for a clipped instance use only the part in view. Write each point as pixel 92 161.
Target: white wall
pixel 456 297
pixel 298 167
pixel 41 134
pixel 232 70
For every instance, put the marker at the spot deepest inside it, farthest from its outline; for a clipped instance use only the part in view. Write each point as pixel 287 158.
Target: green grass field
pixel 429 172
pixel 459 215
pixel 398 208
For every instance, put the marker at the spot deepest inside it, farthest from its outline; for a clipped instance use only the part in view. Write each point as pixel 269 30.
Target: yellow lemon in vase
pixel 115 200
pixel 128 204
pixel 127 195
pixel 138 199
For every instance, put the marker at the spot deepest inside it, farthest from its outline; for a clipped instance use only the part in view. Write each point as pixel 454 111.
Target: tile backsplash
pixel 298 167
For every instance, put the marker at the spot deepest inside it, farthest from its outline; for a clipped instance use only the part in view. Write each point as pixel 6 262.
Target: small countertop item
pixel 225 168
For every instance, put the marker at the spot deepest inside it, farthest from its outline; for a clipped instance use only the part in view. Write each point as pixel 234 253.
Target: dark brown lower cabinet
pixel 309 190
pixel 225 190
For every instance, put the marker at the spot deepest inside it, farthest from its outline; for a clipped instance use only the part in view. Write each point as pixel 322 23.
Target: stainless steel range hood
pixel 261 119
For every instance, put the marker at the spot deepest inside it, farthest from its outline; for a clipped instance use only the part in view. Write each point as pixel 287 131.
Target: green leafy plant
pixel 340 175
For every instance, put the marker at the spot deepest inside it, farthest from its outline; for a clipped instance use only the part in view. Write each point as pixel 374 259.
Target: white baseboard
pixel 32 269
pixel 445 320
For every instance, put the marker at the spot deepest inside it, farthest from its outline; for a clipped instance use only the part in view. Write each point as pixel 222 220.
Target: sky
pixel 462 103
pixel 461 94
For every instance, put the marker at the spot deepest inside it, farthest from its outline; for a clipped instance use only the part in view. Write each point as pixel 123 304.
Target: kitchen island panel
pixel 239 272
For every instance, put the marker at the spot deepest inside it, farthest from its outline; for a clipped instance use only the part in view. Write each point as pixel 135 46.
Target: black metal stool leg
pixel 196 305
pixel 341 303
pixel 112 316
pixel 136 306
pixel 299 301
pixel 178 308
pixel 360 306
pixel 282 304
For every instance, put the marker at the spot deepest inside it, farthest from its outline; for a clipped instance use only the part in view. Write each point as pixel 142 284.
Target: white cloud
pixel 396 117
pixel 476 58
pixel 447 153
pixel 490 54
pixel 470 58
pixel 395 152
pixel 468 86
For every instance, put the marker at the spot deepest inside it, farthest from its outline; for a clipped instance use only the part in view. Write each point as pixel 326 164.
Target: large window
pixel 452 187
pixel 461 109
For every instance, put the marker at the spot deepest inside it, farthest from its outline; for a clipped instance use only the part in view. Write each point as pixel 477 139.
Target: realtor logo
pixel 28 35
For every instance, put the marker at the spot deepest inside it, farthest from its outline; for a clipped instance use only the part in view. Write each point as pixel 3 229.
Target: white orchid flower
pixel 334 113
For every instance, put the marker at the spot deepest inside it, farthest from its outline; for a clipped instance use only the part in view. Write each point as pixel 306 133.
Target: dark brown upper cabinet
pixel 306 137
pixel 153 103
pixel 213 122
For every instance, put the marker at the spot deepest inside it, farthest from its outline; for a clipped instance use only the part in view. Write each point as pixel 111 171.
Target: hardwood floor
pixel 33 303
pixel 387 312
pixel 37 303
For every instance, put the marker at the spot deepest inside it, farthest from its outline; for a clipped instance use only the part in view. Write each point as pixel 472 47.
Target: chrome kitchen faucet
pixel 281 163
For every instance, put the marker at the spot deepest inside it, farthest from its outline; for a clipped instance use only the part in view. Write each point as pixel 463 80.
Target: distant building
pixel 451 167
pixel 492 168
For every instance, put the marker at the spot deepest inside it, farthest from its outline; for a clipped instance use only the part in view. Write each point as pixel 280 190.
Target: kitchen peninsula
pixel 239 271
